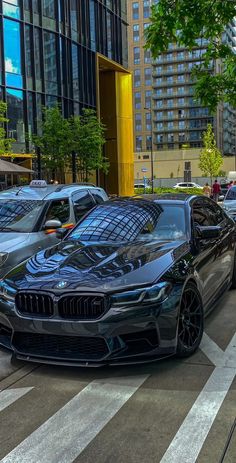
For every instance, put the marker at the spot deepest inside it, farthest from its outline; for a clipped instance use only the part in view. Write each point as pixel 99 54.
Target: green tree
pixel 211 158
pixel 55 142
pixel 87 132
pixel 185 22
pixel 5 143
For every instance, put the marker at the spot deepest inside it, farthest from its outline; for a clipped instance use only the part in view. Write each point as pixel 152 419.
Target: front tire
pixel 191 322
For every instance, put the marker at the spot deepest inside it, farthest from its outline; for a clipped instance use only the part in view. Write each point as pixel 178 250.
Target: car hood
pixel 98 267
pixel 11 240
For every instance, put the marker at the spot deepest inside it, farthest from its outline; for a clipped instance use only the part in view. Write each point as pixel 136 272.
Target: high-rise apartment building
pixel 74 53
pixel 166 115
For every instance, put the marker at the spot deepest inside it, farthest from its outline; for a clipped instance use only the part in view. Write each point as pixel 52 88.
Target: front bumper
pixel 120 336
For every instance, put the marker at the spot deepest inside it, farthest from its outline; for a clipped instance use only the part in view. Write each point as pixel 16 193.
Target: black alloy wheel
pixel 191 322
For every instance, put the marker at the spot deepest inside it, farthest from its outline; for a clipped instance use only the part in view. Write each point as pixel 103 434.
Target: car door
pixel 207 259
pixel 58 209
pixel 226 246
pixel 82 203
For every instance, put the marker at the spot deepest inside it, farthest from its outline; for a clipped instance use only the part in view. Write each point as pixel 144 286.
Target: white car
pixel 187 185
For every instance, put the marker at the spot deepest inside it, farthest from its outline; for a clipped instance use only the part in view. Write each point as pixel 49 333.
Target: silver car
pixel 31 215
pixel 229 203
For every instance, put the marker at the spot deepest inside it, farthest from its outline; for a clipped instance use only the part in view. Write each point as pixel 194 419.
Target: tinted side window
pixel 98 196
pixel 82 202
pixel 206 214
pixel 59 210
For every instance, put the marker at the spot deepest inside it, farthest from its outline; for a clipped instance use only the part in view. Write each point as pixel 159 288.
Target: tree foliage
pixel 5 143
pixel 188 24
pixel 211 159
pixel 54 142
pixel 59 137
pixel 88 140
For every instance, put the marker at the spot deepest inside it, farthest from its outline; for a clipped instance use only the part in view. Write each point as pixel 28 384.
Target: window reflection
pixel 50 62
pixel 10 8
pixel 12 48
pixel 15 114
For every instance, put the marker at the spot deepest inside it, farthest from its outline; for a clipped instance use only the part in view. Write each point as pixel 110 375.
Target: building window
pixel 138 143
pixel 135 8
pixel 147 56
pixel 138 122
pixel 170 137
pixel 12 52
pixel 136 55
pixel 148 76
pixel 136 32
pixel 137 78
pixel 181 101
pixel 170 103
pixel 159 126
pixel 148 142
pixel 137 100
pixel 170 125
pixel 170 114
pixel 50 62
pixel 159 115
pixel 148 121
pixel 148 98
pixel 181 124
pixel 170 91
pixel 180 90
pixel 146 8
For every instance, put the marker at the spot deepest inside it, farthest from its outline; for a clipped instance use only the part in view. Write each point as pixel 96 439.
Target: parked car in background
pixel 229 203
pixel 30 216
pixel 131 282
pixel 187 185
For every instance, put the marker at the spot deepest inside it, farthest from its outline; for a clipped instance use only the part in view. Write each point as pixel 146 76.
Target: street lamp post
pixel 152 173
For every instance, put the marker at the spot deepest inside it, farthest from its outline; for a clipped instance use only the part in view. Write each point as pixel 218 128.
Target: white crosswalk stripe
pixel 9 396
pixel 65 435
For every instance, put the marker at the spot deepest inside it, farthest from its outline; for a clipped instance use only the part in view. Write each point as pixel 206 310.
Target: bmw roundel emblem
pixel 61 284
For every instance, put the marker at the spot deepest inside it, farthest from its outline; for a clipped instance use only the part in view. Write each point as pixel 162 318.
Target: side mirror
pixel 61 233
pixel 208 233
pixel 52 225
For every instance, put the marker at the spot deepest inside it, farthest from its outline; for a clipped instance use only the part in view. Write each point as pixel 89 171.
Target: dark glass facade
pixel 48 55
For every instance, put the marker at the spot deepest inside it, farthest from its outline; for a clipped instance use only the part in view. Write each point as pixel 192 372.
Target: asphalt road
pixel 172 411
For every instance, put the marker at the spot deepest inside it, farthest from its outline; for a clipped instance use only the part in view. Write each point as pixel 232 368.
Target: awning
pixel 11 168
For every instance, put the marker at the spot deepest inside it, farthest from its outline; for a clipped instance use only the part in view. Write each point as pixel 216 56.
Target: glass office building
pixel 57 51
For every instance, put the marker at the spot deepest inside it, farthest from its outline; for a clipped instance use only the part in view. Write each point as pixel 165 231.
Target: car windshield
pixel 231 194
pixel 129 221
pixel 19 215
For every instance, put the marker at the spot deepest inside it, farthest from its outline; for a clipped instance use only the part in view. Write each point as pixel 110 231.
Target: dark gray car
pixel 30 216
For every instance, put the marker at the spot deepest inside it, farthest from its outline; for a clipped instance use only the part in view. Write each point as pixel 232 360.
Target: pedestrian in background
pixel 207 190
pixel 230 184
pixel 216 191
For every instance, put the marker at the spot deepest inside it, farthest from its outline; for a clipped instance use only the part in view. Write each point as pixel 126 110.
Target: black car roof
pixel 168 198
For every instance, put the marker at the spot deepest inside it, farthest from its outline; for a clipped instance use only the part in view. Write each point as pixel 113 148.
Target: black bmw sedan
pixel 131 282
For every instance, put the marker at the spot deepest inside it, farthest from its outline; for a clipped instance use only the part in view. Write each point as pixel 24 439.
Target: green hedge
pixel 159 191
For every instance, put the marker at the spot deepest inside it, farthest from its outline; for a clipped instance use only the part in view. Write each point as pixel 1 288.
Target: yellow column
pixel 125 149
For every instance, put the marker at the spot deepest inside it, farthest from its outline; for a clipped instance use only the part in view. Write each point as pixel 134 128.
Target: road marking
pixel 9 396
pixel 66 434
pixel 188 442
pixel 212 351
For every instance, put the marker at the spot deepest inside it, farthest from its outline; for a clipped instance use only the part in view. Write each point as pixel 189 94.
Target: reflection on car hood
pixel 100 267
pixel 12 240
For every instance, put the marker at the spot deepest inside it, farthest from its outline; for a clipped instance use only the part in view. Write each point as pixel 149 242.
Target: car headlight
pixel 3 257
pixel 7 292
pixel 156 293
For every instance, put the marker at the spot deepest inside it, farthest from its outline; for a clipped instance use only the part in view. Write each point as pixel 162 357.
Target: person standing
pixel 216 191
pixel 207 190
